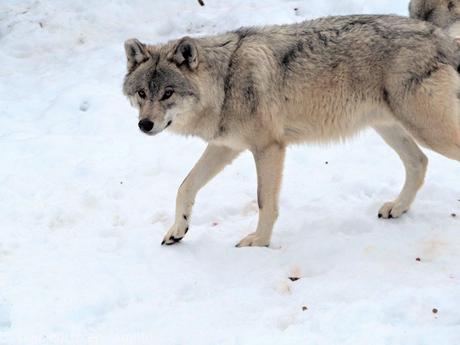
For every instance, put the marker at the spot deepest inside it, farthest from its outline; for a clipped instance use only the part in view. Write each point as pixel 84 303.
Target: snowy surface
pixel 86 200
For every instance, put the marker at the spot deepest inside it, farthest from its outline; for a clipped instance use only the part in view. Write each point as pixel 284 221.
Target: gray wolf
pixel 442 13
pixel 264 88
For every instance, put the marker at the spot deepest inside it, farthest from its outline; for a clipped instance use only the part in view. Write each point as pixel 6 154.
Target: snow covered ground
pixel 86 200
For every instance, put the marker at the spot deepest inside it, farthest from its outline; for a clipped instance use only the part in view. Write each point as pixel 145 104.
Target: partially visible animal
pixel 442 13
pixel 264 88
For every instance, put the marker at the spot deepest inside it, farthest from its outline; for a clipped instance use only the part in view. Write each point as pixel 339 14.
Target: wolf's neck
pixel 218 53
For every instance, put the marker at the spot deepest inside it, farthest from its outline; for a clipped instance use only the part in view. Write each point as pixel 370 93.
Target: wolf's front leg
pixel 213 160
pixel 269 165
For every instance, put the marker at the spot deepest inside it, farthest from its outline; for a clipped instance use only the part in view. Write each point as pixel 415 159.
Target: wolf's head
pixel 442 13
pixel 162 83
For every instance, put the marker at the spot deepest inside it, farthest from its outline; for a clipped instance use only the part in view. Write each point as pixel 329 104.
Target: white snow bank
pixel 86 200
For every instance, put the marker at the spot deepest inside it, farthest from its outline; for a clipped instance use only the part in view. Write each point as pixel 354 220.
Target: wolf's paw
pixel 392 209
pixel 253 240
pixel 175 234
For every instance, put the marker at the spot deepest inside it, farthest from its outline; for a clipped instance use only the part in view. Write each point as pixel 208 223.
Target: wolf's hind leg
pixel 431 112
pixel 415 163
pixel 269 165
pixel 213 161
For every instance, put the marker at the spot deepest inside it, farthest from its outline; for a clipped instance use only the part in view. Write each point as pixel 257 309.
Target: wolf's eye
pixel 168 93
pixel 141 94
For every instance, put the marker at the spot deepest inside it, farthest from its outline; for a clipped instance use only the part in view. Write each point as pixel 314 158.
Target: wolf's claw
pixel 175 234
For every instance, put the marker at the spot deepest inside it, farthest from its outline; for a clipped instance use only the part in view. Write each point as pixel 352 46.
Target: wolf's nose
pixel 145 125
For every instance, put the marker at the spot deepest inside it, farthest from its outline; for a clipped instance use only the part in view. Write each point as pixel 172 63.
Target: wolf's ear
pixel 185 52
pixel 136 53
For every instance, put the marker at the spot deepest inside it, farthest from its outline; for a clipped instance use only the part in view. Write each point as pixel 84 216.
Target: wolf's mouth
pixel 153 132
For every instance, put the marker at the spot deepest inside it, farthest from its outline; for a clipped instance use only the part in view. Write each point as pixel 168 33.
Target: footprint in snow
pixel 84 106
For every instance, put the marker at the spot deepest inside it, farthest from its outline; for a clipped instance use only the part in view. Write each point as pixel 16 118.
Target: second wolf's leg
pixel 415 163
pixel 213 160
pixel 269 165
